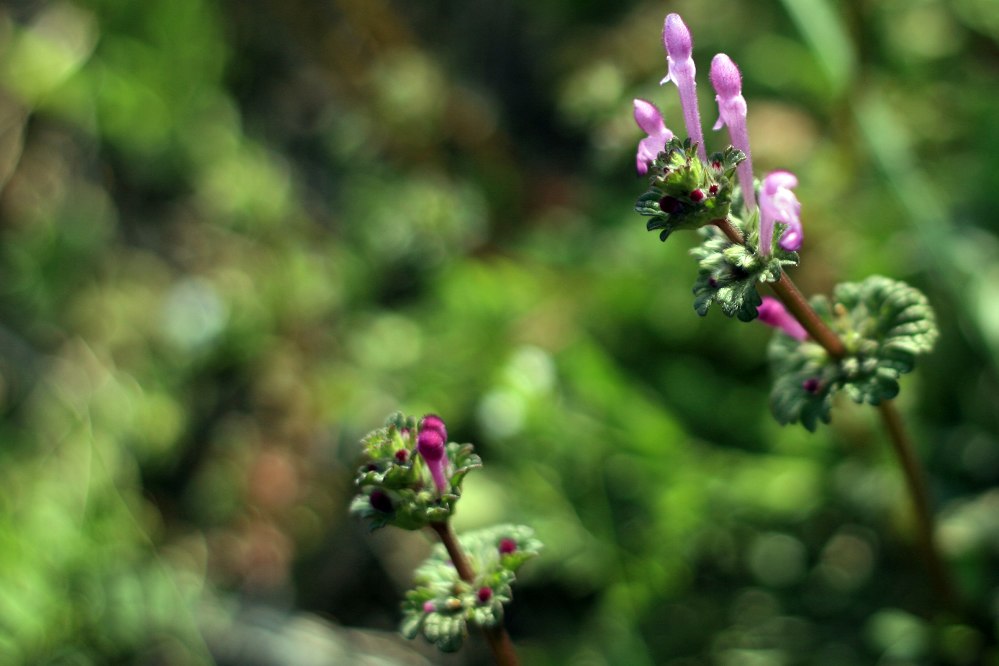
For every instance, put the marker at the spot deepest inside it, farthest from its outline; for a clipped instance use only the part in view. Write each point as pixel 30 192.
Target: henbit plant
pixel 859 341
pixel 412 479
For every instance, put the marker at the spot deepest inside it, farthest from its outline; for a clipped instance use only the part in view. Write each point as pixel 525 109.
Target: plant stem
pixel 497 636
pixel 819 331
pixel 915 481
pixel 791 297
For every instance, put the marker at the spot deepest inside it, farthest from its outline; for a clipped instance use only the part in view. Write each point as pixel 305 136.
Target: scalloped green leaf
pixel 441 605
pixel 729 272
pixel 804 382
pixel 446 631
pixel 884 325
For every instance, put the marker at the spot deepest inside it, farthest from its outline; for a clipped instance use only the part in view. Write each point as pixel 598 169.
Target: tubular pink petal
pixel 772 313
pixel 430 445
pixel 648 117
pixel 434 422
pixel 676 37
pixel 778 204
pixel 727 82
pixel 725 76
pixel 650 120
pixel 681 71
pixel 779 179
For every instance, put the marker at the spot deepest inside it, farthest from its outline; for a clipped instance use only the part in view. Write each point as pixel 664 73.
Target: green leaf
pixel 447 631
pixel 804 382
pixel 729 272
pixel 884 325
pixel 441 605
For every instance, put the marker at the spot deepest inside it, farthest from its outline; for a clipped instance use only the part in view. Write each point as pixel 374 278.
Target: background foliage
pixel 235 236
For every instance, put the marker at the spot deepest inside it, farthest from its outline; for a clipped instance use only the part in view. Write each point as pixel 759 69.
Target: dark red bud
pixel 696 196
pixel 401 456
pixel 716 165
pixel 380 501
pixel 713 190
pixel 507 546
pixel 812 385
pixel 670 205
pixel 484 595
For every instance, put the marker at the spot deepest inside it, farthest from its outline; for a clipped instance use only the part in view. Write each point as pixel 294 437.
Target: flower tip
pixel 434 422
pixel 725 76
pixel 430 444
pixel 779 179
pixel 648 116
pixel 792 240
pixel 772 313
pixel 676 38
pixel 770 308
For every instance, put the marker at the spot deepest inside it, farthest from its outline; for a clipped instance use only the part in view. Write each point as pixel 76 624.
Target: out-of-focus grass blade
pixel 827 36
pixel 960 261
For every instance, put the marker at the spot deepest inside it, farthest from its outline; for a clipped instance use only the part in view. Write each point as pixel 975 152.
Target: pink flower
pixel 681 71
pixel 727 82
pixel 773 313
pixel 778 204
pixel 430 444
pixel 651 121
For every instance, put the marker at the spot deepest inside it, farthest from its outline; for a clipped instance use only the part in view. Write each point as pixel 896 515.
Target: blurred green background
pixel 236 235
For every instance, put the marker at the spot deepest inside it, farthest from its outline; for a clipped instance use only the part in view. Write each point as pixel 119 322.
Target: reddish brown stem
pixel 497 636
pixel 819 331
pixel 916 483
pixel 795 303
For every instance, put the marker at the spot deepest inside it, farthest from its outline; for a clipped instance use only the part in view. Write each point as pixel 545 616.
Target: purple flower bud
pixel 778 204
pixel 430 445
pixel 727 81
pixel 650 120
pixel 681 71
pixel 696 195
pixel 380 501
pixel 773 313
pixel 401 456
pixel 429 607
pixel 670 204
pixel 811 385
pixel 484 595
pixel 434 422
pixel 507 546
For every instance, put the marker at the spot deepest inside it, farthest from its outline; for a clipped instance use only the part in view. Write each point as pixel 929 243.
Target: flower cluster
pixel 412 475
pixel 865 338
pixel 778 208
